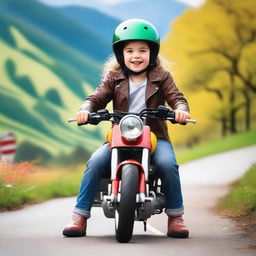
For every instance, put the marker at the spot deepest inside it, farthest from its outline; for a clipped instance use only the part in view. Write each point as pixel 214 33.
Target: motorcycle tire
pixel 124 215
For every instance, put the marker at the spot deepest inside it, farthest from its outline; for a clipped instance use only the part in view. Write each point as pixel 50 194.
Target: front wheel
pixel 125 213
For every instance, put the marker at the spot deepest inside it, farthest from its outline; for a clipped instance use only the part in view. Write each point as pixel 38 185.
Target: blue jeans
pixel 99 165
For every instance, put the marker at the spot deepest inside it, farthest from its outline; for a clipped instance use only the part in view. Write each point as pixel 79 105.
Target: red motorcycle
pixel 133 191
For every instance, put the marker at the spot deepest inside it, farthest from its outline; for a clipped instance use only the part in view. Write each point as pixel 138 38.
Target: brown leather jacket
pixel 161 88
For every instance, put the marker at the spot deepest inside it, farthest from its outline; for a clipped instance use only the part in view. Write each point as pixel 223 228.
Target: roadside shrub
pixel 26 182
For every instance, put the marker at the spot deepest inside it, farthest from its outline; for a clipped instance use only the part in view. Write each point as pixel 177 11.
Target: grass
pixel 240 203
pixel 231 142
pixel 25 183
pixel 241 199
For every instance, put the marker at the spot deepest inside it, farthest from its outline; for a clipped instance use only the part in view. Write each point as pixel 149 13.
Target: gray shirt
pixel 137 94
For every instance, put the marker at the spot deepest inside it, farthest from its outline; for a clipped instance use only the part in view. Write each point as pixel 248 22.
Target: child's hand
pixel 82 116
pixel 181 116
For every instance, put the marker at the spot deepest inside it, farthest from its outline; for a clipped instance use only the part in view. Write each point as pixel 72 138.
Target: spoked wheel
pixel 125 213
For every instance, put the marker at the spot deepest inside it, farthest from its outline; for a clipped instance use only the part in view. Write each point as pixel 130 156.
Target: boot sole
pixel 74 233
pixel 179 234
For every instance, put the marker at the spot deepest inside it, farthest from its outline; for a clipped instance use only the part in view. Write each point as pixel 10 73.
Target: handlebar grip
pixel 171 117
pixel 193 121
pixel 94 117
pixel 70 120
pixel 172 120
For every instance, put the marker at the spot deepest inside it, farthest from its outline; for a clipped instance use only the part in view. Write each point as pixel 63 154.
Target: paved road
pixel 36 230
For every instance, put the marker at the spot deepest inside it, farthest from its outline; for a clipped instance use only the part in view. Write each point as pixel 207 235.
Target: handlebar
pixel 159 113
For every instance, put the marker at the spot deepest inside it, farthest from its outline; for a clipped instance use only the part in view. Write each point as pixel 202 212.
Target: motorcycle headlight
pixel 131 127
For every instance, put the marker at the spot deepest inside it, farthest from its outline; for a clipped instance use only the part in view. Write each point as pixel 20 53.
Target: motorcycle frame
pixel 143 142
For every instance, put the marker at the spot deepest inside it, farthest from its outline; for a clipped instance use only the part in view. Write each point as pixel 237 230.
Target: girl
pixel 136 80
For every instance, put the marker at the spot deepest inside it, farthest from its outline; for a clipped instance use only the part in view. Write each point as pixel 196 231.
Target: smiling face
pixel 136 55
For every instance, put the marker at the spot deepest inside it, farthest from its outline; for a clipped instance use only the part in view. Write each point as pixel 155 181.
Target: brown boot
pixel 176 227
pixel 77 227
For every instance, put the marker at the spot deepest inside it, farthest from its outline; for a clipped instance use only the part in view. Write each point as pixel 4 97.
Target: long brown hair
pixel 112 65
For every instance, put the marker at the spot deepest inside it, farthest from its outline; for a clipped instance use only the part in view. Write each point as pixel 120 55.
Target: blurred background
pixel 52 54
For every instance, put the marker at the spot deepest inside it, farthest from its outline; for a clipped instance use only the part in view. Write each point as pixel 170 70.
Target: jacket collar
pixel 154 75
pixel 120 76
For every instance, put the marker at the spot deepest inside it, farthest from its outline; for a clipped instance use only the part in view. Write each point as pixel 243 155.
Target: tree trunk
pixel 232 112
pixel 224 126
pixel 247 109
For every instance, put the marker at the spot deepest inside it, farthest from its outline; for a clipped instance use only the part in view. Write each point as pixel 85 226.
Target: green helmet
pixel 136 29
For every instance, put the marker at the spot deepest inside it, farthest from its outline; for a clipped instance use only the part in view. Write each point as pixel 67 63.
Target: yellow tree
pixel 214 47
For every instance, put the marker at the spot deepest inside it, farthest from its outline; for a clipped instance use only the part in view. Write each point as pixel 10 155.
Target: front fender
pixel 142 182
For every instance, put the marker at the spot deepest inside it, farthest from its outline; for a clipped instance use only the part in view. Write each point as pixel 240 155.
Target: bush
pixel 78 156
pixel 28 183
pixel 28 151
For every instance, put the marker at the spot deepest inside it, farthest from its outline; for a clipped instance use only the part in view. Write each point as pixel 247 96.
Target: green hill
pixel 58 26
pixel 45 74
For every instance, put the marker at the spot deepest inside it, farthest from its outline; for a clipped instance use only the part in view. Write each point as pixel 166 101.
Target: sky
pixel 108 7
pixel 192 3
